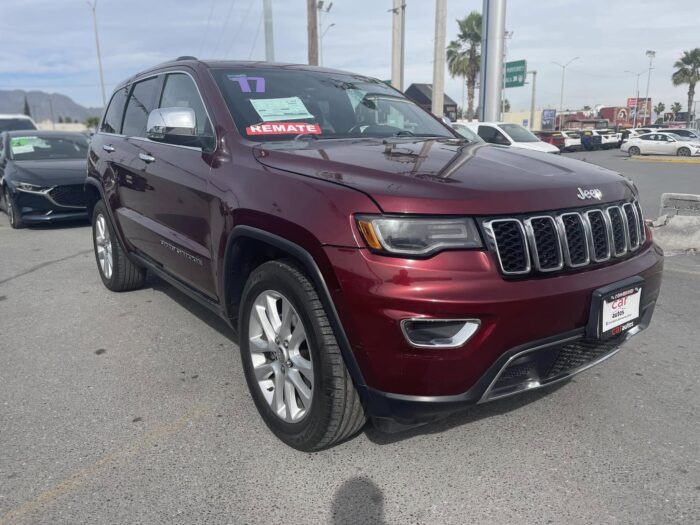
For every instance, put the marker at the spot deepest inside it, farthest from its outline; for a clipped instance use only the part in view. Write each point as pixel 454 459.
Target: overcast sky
pixel 49 44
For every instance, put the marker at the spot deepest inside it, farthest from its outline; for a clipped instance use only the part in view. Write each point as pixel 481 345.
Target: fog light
pixel 439 333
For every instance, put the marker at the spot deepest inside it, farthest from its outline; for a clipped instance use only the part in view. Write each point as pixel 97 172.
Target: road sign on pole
pixel 516 72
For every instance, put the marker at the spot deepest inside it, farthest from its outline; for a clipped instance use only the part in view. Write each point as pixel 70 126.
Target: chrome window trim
pixel 624 231
pixel 456 342
pixel 565 240
pixel 530 234
pixel 636 218
pixel 492 237
pixel 607 235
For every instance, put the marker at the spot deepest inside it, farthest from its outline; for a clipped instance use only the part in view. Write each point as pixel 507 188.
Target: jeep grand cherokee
pixel 373 262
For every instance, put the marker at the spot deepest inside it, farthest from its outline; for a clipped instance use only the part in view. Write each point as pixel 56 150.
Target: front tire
pixel 12 211
pixel 683 152
pixel 633 151
pixel 117 272
pixel 292 362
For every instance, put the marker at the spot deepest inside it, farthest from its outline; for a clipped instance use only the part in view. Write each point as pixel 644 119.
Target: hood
pixel 50 172
pixel 448 177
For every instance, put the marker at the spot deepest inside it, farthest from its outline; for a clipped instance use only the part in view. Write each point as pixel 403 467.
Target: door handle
pixel 108 148
pixel 147 158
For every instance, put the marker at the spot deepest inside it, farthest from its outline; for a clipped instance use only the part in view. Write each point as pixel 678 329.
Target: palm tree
pixel 675 109
pixel 659 110
pixel 688 72
pixel 464 55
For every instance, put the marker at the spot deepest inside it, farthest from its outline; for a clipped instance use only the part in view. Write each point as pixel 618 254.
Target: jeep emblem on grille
pixel 595 193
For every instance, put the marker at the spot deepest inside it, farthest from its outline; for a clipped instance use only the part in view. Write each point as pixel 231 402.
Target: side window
pixel 646 137
pixel 493 136
pixel 662 138
pixel 181 92
pixel 112 121
pixel 141 103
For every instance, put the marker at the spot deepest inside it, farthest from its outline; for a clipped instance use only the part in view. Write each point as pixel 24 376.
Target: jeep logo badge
pixel 595 193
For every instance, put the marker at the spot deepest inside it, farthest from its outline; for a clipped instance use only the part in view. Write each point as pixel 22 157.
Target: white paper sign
pixel 280 109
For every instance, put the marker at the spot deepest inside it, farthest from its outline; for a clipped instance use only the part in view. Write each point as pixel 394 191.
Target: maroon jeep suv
pixel 372 262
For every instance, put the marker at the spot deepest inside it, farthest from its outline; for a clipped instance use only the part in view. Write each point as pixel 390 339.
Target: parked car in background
pixel 509 134
pixel 10 122
pixel 682 132
pixel 373 263
pixel 555 138
pixel 466 132
pixel 609 138
pixel 660 144
pixel 572 140
pixel 590 140
pixel 42 176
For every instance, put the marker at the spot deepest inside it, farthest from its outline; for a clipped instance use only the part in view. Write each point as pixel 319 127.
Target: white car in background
pixel 609 138
pixel 509 134
pixel 572 140
pixel 692 134
pixel 661 144
pixel 16 122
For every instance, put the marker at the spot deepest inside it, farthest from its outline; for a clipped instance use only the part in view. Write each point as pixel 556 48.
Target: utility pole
pixel 312 31
pixel 647 109
pixel 439 58
pixel 53 117
pixel 532 101
pixel 492 42
pixel 269 36
pixel 398 38
pixel 507 35
pixel 561 94
pixel 93 7
pixel 636 104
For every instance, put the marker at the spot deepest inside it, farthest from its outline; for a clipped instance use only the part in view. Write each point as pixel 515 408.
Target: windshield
pixel 518 133
pixel 16 124
pixel 467 133
pixel 47 148
pixel 283 104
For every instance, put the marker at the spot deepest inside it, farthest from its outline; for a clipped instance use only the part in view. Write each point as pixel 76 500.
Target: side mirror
pixel 173 125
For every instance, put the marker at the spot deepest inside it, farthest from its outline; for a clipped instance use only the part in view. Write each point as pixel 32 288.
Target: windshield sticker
pixel 244 83
pixel 281 109
pixel 21 145
pixel 284 128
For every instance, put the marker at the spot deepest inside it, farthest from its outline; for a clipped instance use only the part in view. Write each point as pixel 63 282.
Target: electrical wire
pixel 239 28
pixel 206 30
pixel 223 28
pixel 257 33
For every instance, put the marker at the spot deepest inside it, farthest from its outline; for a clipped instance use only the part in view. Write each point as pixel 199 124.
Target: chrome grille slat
pixel 549 242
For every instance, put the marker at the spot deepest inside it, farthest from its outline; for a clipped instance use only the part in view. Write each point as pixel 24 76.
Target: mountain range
pixel 45 106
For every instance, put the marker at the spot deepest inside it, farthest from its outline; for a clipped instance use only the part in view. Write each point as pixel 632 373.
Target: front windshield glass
pixel 34 147
pixel 519 133
pixel 284 104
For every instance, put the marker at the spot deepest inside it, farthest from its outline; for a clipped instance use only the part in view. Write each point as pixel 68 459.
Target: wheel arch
pixel 247 248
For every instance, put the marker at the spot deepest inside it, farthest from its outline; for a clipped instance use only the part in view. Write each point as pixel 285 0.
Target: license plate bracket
pixel 615 308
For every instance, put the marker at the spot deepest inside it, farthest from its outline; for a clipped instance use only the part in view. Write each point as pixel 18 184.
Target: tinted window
pixel 16 124
pixel 519 133
pixel 181 92
pixel 37 147
pixel 141 103
pixel 492 135
pixel 647 137
pixel 112 121
pixel 279 104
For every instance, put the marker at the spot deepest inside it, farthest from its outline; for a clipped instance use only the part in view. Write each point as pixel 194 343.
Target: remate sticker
pixel 244 83
pixel 281 109
pixel 284 128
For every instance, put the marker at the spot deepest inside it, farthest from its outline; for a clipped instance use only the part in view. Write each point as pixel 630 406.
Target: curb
pixel 673 160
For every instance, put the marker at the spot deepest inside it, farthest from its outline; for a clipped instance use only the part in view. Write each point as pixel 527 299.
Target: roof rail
pixel 185 57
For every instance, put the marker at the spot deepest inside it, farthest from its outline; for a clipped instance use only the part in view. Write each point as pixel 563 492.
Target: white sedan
pixel 660 144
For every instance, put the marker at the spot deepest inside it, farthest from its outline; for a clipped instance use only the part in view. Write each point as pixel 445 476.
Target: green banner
pixel 516 72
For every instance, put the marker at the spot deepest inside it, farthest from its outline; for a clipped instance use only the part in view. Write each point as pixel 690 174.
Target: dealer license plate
pixel 620 311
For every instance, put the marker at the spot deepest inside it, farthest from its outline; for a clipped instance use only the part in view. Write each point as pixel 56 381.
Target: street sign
pixel 515 73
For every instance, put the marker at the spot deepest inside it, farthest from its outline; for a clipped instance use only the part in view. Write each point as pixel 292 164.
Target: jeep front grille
pixel 555 241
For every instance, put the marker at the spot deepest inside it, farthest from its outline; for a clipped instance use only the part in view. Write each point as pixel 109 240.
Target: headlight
pixel 25 186
pixel 418 236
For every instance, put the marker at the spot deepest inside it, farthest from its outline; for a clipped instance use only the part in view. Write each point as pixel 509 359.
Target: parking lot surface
pixel 133 408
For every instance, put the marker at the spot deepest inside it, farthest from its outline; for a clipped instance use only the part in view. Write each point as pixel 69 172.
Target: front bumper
pixel 408 383
pixel 49 206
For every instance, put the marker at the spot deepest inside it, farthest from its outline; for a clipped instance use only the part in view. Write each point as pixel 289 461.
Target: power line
pixel 255 39
pixel 239 28
pixel 223 28
pixel 206 30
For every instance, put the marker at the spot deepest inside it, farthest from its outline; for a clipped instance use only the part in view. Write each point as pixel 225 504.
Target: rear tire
pixel 633 151
pixel 117 272
pixel 13 213
pixel 683 152
pixel 335 411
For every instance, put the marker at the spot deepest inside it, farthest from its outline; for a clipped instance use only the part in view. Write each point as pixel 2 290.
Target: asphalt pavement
pixel 133 408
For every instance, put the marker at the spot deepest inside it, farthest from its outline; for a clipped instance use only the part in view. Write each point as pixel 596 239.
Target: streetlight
pixel 636 104
pixel 647 110
pixel 561 96
pixel 321 32
pixel 93 7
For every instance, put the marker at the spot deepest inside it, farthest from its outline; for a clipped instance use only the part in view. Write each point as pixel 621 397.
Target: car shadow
pixel 463 417
pixel 67 225
pixel 358 500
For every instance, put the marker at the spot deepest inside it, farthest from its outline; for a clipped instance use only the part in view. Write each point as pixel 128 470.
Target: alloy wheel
pixel 103 243
pixel 280 355
pixel 684 152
